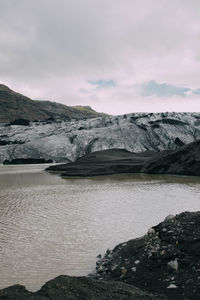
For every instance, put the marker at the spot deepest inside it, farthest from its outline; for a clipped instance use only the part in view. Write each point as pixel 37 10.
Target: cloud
pixel 152 88
pixel 83 91
pixel 196 92
pixel 50 49
pixel 103 83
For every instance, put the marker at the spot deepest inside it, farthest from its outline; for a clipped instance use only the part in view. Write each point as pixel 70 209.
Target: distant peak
pixel 4 88
pixel 87 107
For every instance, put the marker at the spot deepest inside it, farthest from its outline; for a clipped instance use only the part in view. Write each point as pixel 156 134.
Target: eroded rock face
pixel 68 140
pixel 165 260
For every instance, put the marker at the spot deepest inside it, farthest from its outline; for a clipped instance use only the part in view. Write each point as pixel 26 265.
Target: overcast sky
pixel 117 56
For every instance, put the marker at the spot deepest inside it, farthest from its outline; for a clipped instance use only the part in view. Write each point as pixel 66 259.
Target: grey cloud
pixel 54 47
pixel 83 91
pixel 69 37
pixel 101 83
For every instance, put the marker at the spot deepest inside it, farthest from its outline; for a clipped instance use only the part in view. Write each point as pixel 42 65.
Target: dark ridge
pixel 22 161
pixel 155 126
pixel 4 142
pixel 105 162
pixel 184 161
pixel 143 127
pixel 15 107
pixel 168 121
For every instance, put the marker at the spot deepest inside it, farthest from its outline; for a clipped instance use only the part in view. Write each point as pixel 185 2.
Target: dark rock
pixel 15 292
pixel 22 122
pixel 79 288
pixel 4 142
pixel 165 260
pixel 178 142
pixel 22 161
pixel 72 138
pixel 184 161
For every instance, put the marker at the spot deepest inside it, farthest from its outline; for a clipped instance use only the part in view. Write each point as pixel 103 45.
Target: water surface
pixel 51 226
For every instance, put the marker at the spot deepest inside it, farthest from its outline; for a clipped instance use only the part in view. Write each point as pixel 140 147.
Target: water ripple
pixel 50 226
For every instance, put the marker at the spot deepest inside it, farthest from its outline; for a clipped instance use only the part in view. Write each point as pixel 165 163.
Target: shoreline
pixel 163 264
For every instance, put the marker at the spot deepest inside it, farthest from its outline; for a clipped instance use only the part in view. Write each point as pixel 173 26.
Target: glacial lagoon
pixel 51 226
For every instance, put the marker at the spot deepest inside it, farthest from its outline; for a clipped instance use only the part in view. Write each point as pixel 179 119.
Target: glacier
pixel 66 141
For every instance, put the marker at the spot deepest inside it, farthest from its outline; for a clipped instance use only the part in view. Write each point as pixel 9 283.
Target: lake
pixel 51 226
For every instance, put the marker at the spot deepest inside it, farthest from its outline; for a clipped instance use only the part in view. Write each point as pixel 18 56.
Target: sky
pixel 118 56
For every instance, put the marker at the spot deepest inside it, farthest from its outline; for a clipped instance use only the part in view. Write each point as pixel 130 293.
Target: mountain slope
pixel 15 106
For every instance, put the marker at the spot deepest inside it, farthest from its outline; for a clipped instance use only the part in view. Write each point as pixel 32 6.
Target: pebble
pixel 123 271
pixel 133 269
pixel 136 262
pixel 172 286
pixel 173 264
pixel 169 217
pixel 151 231
pixel 114 267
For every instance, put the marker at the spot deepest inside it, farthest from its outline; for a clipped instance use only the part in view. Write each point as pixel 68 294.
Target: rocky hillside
pixel 66 141
pixel 166 260
pixel 14 106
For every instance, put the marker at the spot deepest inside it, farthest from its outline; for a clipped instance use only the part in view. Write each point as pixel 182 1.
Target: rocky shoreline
pixel 163 264
pixel 165 260
pixel 184 161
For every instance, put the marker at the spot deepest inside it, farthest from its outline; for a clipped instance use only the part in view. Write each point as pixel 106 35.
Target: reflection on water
pixel 51 226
